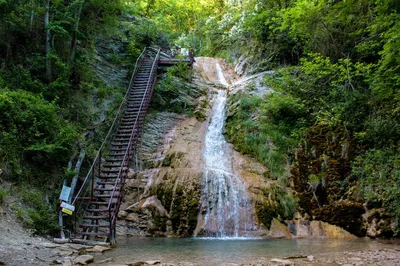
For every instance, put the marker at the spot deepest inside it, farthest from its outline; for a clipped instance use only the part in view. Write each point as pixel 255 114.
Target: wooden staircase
pixel 99 198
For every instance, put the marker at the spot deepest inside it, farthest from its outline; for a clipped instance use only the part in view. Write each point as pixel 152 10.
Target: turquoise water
pixel 218 251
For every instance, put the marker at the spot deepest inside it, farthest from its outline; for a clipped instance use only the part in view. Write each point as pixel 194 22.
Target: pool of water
pixel 208 251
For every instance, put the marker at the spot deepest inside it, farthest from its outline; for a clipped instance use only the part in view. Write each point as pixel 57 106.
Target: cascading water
pixel 226 207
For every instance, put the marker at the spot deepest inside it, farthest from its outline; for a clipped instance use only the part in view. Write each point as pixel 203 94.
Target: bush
pixel 3 194
pixel 31 131
pixel 379 174
pixel 174 93
pixel 279 203
pixel 36 213
pixel 267 128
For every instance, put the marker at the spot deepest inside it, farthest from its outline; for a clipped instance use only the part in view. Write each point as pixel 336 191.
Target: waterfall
pixel 226 207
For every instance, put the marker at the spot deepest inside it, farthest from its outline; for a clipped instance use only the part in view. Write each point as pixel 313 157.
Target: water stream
pixel 226 207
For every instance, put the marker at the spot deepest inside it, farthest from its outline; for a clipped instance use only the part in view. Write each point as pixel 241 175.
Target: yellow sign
pixel 64 210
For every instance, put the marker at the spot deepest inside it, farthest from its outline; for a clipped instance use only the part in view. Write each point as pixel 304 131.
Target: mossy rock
pixel 200 115
pixel 345 214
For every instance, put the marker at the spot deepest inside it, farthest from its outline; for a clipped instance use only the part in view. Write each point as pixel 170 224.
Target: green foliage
pixel 3 195
pixel 174 93
pixel 36 213
pixel 267 128
pixel 31 126
pixel 379 174
pixel 280 204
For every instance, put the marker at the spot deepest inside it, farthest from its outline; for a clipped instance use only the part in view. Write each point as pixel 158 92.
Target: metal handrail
pixel 125 161
pixel 138 61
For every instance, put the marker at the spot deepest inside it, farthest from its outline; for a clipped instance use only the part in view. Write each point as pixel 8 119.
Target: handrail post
pixel 92 187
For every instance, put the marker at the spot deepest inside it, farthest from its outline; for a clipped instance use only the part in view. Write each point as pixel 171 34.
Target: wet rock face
pixel 163 198
pixel 326 190
pixel 321 178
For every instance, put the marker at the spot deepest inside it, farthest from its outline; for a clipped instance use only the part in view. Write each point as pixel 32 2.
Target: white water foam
pixel 228 211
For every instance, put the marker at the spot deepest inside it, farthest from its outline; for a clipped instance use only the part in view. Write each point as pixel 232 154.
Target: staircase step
pixel 104 189
pixel 126 140
pixel 114 160
pixel 118 149
pixel 95 217
pixel 104 183
pixel 131 127
pixel 116 143
pixel 123 130
pixel 97 210
pixel 93 233
pixel 106 196
pixel 123 135
pixel 94 225
pixel 111 171
pixel 111 165
pixel 103 176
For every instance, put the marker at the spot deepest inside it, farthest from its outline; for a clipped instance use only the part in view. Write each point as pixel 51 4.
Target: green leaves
pixel 379 174
pixel 31 124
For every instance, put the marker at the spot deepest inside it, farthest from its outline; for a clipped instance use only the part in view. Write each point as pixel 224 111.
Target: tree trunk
pixel 76 170
pixel 32 15
pixel 48 38
pixel 74 33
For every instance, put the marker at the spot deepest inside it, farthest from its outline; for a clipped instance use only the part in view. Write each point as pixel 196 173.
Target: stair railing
pixel 81 199
pixel 113 207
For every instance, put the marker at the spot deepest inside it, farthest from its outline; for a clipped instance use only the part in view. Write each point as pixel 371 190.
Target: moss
pixel 184 211
pixel 345 214
pixel 164 193
pixel 3 194
pixel 167 160
pixel 278 203
pixel 160 221
pixel 200 115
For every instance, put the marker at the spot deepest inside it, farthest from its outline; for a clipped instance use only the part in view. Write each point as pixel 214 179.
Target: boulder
pixel 83 259
pixel 156 203
pixel 279 230
pixel 98 248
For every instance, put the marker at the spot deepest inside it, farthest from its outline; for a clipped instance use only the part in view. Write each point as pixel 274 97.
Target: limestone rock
pixel 98 248
pixel 83 259
pixel 300 228
pixel 105 260
pixel 51 245
pixel 281 262
pixel 65 252
pixel 67 262
pixel 335 232
pixel 279 230
pixel 156 203
pixel 241 67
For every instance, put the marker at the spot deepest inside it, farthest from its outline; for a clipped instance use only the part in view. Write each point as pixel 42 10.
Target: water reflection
pixel 206 251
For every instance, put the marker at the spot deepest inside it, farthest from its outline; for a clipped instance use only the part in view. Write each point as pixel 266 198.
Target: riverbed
pixel 242 251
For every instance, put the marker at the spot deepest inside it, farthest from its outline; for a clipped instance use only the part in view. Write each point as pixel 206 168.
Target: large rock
pixel 279 230
pixel 98 248
pixel 83 259
pixel 154 202
pixel 319 228
pixel 241 67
